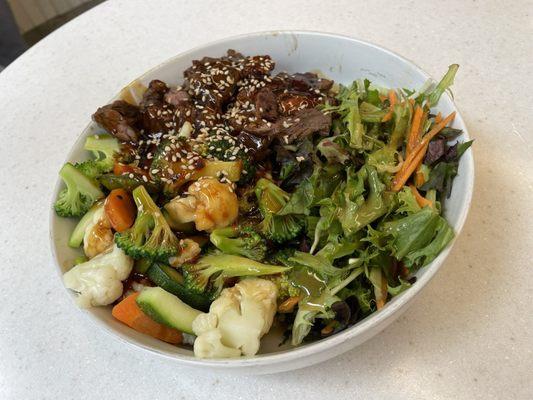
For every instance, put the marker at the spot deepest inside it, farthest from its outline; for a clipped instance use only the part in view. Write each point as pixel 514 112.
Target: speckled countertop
pixel 468 335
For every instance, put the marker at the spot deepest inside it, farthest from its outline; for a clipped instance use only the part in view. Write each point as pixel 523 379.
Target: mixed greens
pixel 241 200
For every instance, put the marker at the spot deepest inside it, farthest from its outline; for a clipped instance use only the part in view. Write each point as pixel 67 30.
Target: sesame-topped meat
pixel 266 105
pixel 227 109
pixel 263 104
pixel 155 93
pixel 177 97
pixel 297 126
pixel 158 116
pixel 120 119
pixel 212 81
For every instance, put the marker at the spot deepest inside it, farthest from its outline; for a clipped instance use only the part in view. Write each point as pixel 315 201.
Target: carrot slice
pixel 129 313
pixel 421 200
pixel 393 99
pixel 120 209
pixel 417 155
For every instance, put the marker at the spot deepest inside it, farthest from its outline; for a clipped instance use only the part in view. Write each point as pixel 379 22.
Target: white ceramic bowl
pixel 342 59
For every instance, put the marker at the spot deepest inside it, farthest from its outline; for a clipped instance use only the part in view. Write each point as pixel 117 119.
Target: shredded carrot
pixel 288 305
pixel 438 118
pixel 414 133
pixel 417 155
pixel 382 98
pixel 380 302
pixel 419 176
pixel 393 99
pixel 420 179
pixel 129 313
pixel 328 329
pixel 408 168
pixel 421 200
pixel 404 272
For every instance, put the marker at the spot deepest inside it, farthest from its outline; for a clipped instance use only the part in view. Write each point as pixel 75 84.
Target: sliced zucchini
pixel 76 238
pixel 171 280
pixel 142 265
pixel 167 309
pixel 112 181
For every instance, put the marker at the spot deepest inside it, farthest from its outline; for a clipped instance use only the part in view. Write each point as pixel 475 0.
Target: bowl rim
pixel 322 345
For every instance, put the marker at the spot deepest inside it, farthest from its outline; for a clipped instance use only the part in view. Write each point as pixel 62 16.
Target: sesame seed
pixel 145 178
pixel 155 171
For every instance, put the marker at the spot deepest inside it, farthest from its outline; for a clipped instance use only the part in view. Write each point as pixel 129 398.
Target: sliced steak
pixel 266 105
pixel 288 129
pixel 304 123
pixel 120 119
pixel 157 115
pixel 177 97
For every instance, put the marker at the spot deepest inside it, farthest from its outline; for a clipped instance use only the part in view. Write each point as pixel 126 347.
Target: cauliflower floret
pixel 98 235
pixel 210 204
pixel 236 320
pixel 189 250
pixel 98 281
pixel 209 345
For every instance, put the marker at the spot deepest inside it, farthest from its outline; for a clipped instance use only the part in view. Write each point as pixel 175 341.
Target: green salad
pixel 246 199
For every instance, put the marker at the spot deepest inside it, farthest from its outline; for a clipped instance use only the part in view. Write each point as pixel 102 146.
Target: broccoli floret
pixel 282 257
pixel 90 168
pixel 208 274
pixel 271 198
pixel 286 288
pixel 174 174
pixel 79 195
pixel 222 146
pixel 150 236
pixel 103 148
pixel 242 242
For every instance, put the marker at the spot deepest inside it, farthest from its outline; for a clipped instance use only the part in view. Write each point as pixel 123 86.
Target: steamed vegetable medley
pixel 242 200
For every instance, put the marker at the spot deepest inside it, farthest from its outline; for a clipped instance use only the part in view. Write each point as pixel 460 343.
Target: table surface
pixel 467 336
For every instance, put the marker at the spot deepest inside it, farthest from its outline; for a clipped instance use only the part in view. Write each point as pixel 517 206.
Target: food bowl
pixel 342 59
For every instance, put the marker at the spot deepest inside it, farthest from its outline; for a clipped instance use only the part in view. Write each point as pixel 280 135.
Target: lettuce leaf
pixel 417 238
pixel 300 201
pixel 396 290
pixel 445 83
pixel 355 211
pixel 442 175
